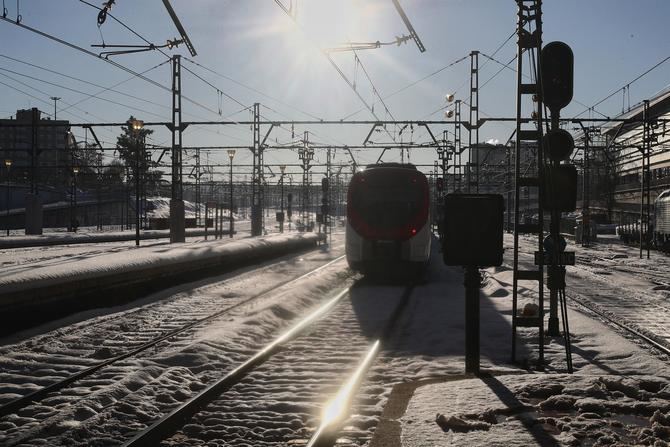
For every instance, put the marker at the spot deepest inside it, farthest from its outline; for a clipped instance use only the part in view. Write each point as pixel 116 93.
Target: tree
pixel 114 173
pixel 129 142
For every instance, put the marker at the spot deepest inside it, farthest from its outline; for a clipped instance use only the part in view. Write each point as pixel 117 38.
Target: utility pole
pixel 257 177
pixel 458 149
pixel 198 197
pixel 474 120
pixel 645 177
pixel 326 211
pixel 231 155
pixel 528 133
pixel 306 154
pixel 177 223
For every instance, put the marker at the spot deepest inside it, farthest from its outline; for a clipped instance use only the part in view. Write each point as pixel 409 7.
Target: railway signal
pixel 559 144
pixel 559 192
pixel 472 236
pixel 557 73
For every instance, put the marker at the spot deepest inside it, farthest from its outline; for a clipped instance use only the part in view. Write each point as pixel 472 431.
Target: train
pixel 388 219
pixel 661 236
pixel 658 233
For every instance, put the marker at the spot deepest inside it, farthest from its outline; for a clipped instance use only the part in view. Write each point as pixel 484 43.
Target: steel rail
pixel 23 401
pixel 336 410
pixel 664 349
pixel 171 422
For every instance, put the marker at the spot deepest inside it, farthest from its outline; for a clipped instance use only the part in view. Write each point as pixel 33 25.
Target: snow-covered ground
pixel 617 387
pixel 108 406
pixel 619 394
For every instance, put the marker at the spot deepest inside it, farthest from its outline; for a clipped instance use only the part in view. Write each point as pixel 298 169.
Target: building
pixel 625 144
pixel 30 139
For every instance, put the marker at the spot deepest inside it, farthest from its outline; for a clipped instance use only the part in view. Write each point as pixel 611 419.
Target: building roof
pixel 659 105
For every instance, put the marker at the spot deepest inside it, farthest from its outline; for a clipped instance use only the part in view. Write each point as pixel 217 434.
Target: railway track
pixel 639 315
pixel 615 320
pixel 17 404
pixel 317 358
pixel 166 339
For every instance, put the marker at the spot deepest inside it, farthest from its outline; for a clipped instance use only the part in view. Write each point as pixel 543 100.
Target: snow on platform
pixel 83 237
pixel 140 259
pixel 29 296
pixel 618 395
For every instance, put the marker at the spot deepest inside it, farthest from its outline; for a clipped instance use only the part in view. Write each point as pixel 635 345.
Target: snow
pixel 619 394
pixel 82 268
pixel 129 395
pixel 536 409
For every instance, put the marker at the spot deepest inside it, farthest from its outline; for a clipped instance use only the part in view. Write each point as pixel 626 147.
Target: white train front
pixel 388 218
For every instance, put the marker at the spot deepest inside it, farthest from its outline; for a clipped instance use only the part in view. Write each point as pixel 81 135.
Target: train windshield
pixel 388 202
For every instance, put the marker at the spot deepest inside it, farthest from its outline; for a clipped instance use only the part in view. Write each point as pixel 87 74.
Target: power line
pixel 625 85
pixel 215 87
pixel 114 63
pixel 451 64
pixel 124 25
pixel 279 101
pixel 508 66
pixel 341 73
pixel 74 78
pixel 412 84
pixel 48 95
pixel 79 92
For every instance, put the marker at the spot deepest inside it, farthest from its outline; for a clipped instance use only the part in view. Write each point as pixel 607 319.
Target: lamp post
pixel 137 126
pixel 75 171
pixel 282 168
pixel 231 154
pixel 55 99
pixel 8 164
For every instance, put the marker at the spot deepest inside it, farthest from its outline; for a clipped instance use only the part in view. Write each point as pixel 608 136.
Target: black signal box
pixel 560 188
pixel 473 230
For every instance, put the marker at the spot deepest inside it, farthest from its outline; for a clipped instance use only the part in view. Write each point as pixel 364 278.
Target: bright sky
pixel 259 54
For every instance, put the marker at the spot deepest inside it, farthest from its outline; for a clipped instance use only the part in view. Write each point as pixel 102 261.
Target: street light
pixel 8 164
pixel 231 154
pixel 55 99
pixel 136 126
pixel 282 168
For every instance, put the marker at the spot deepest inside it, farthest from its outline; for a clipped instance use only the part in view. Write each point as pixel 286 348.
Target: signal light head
pixel 558 143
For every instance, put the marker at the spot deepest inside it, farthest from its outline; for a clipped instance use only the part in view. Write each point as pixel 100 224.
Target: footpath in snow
pixel 619 393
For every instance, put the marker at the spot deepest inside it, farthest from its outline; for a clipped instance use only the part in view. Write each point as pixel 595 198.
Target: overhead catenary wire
pixel 125 26
pixel 79 92
pixel 509 67
pixel 45 101
pixel 114 63
pixel 241 84
pixel 413 83
pixel 341 73
pixel 220 91
pixel 74 78
pixel 627 85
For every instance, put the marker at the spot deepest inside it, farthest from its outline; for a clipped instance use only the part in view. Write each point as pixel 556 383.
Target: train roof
pixel 391 165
